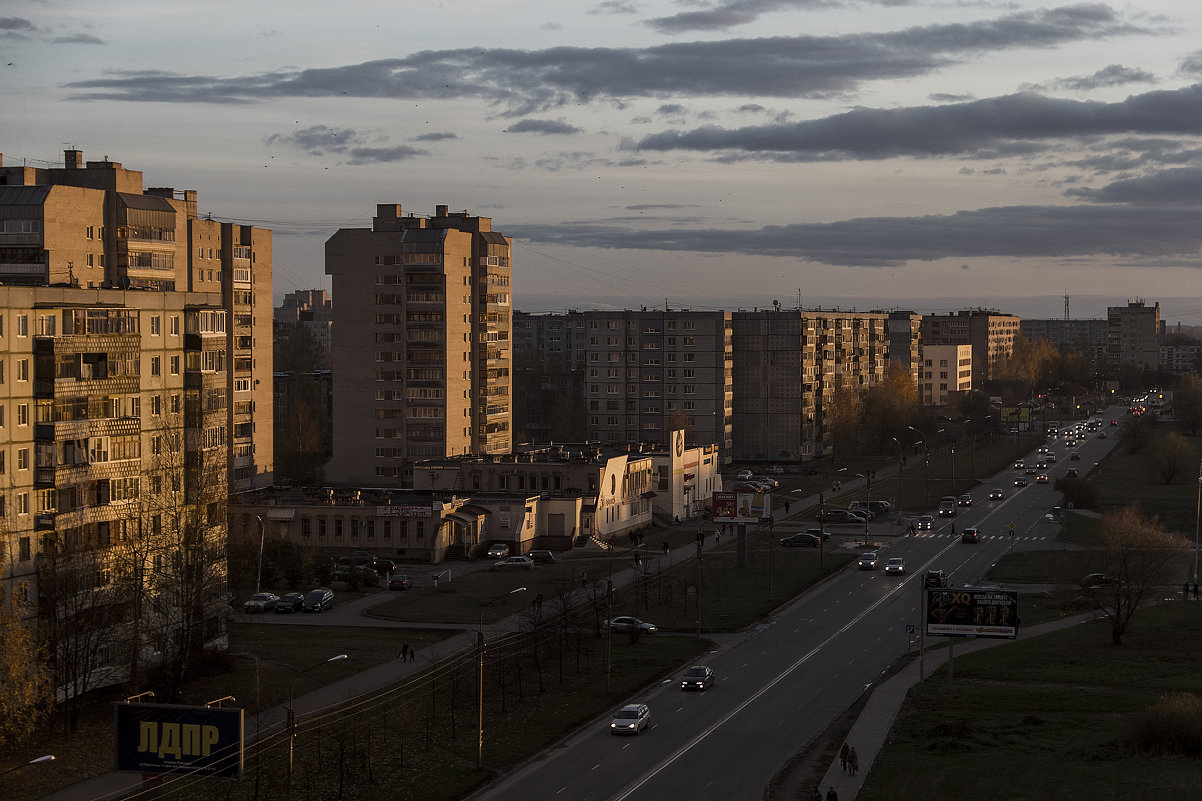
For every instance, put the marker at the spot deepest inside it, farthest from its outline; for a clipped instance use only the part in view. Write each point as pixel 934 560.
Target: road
pixel 782 683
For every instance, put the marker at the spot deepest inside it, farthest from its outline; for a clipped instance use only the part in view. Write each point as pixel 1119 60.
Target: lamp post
pixel 1197 517
pixel 259 572
pixel 480 677
pixel 47 758
pixel 867 504
pixel 292 715
pixel 901 474
pixel 609 613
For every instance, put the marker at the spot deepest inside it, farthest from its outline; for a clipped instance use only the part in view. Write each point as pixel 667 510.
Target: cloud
pixel 543 127
pixel 1177 186
pixel 79 38
pixel 16 28
pixel 521 82
pixel 1113 75
pixel 436 136
pixel 1010 125
pixel 615 7
pixel 1192 64
pixel 357 147
pixel 1011 231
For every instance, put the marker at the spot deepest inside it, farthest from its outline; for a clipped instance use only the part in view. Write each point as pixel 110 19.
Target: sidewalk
pixel 872 727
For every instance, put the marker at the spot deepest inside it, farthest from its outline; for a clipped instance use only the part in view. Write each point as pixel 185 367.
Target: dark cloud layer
pixel 523 81
pixel 544 127
pixel 1013 231
pixel 1010 125
pixel 354 146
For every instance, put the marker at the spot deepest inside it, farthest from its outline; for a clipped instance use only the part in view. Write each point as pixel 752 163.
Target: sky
pixel 705 154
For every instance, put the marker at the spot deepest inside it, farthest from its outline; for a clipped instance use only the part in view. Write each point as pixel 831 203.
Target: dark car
pixel 1095 580
pixel 970 535
pixel 292 602
pixel 996 494
pixel 801 540
pixel 1072 472
pixel 698 677
pixel 624 624
pixel 384 566
pixel 935 578
pixel 260 602
pixel 964 500
pixel 541 557
pixel 840 516
pixel 925 523
pixel 867 561
pixel 399 581
pixel 319 600
pixel 1020 482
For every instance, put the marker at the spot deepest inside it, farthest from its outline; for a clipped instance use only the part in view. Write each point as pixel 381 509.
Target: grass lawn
pixel 1056 717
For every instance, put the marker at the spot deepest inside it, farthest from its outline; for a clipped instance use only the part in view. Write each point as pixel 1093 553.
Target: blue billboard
pixel 161 738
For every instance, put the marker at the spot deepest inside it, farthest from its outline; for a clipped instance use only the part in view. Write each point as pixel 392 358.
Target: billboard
pixel 972 612
pixel 742 507
pixel 158 738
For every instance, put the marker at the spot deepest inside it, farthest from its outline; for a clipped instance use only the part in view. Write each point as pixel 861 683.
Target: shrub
pixel 1173 725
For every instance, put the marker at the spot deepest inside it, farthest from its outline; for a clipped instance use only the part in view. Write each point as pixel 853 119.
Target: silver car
pixel 895 565
pixel 630 624
pixel 868 561
pixel 631 719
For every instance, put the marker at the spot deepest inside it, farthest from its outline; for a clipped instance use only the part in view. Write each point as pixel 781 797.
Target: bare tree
pixel 1187 403
pixel 1135 557
pixel 1168 457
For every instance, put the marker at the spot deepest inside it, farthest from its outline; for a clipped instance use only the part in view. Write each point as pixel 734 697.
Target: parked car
pixel 631 719
pixel 319 600
pixel 399 581
pixel 801 540
pixel 744 475
pixel 292 602
pixel 358 558
pixel 996 494
pixel 260 602
pixel 895 565
pixel 360 573
pixel 970 535
pixel 516 562
pixel 935 579
pixel 621 624
pixel 964 500
pixel 924 523
pixel 867 561
pixel 541 557
pixel 698 677
pixel 817 532
pixel 1095 580
pixel 498 550
pixel 776 470
pixel 840 516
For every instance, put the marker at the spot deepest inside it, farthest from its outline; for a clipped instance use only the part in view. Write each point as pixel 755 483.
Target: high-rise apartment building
pixel 421 343
pixel 905 342
pixel 311 310
pixel 990 333
pixel 1087 336
pixel 1134 334
pixel 131 404
pixel 634 376
pixel 91 225
pixel 789 366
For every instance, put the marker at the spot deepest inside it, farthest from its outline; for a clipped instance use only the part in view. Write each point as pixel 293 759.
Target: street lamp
pixel 901 474
pixel 47 758
pixel 867 504
pixel 1197 516
pixel 292 715
pixel 259 572
pixel 480 676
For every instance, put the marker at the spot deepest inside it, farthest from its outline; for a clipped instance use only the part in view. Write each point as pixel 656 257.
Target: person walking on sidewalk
pixel 404 652
pixel 817 795
pixel 831 795
pixel 853 762
pixel 843 757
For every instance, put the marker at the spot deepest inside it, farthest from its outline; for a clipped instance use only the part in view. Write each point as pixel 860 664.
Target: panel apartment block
pixel 1134 334
pixel 421 343
pixel 788 367
pixel 990 333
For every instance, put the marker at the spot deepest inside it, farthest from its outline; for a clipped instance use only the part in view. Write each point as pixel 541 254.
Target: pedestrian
pixel 404 652
pixel 786 507
pixel 831 795
pixel 1195 590
pixel 843 757
pixel 665 547
pixel 911 528
pixel 853 761
pixel 817 795
pixel 717 536
pixel 1185 592
pixel 539 599
pixel 413 654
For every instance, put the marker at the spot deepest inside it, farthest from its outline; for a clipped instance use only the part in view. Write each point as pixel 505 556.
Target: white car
pixel 261 602
pixel 895 565
pixel 519 562
pixel 631 719
pixel 744 475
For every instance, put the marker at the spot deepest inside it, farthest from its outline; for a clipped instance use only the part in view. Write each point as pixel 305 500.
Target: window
pixel 156 405
pixel 155 326
pixel 22 414
pixel 22 325
pixel 175 365
pixel 175 325
pixel 156 365
pixel 175 403
pixel 22 369
pixel 23 459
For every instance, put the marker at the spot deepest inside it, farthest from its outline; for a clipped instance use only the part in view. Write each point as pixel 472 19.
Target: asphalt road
pixel 780 685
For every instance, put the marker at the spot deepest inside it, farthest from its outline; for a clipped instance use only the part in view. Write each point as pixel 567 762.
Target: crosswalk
pixel 943 535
